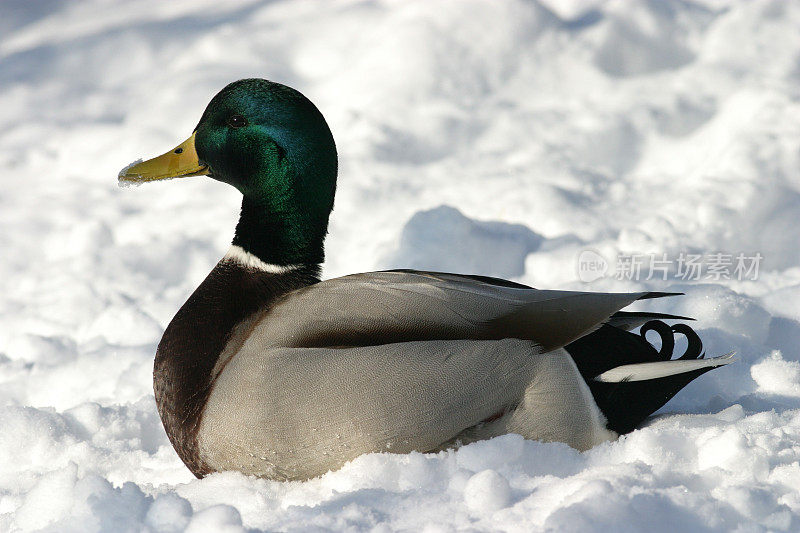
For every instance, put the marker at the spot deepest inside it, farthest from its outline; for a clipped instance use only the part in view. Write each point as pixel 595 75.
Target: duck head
pixel 272 144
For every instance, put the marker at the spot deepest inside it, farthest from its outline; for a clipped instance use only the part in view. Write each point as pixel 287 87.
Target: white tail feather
pixel 660 369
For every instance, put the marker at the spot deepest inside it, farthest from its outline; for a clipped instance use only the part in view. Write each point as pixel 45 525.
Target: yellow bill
pixel 180 162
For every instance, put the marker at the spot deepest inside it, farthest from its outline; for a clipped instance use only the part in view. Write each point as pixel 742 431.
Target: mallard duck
pixel 270 371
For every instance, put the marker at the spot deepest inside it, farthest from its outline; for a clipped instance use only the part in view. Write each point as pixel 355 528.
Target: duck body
pixel 269 371
pixel 331 370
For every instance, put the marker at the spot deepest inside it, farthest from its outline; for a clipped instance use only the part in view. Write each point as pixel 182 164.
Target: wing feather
pixel 400 306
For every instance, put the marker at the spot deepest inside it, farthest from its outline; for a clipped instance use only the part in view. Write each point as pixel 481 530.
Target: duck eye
pixel 237 121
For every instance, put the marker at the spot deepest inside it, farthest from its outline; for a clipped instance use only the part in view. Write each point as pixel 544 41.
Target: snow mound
pixel 774 375
pixel 443 239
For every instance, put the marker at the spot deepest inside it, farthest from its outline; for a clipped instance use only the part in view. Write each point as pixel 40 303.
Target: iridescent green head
pixel 268 141
pixel 272 144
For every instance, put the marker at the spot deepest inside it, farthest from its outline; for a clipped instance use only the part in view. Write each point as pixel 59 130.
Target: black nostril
pixel 178 150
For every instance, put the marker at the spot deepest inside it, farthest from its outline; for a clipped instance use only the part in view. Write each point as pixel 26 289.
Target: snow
pixel 444 239
pixel 502 138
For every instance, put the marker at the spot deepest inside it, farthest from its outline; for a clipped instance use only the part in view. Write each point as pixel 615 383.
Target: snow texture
pixel 548 128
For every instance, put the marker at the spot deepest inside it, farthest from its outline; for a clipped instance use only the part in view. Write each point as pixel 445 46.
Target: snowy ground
pixel 546 129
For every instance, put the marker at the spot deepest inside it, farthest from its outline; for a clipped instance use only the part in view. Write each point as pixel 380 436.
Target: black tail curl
pixel 626 404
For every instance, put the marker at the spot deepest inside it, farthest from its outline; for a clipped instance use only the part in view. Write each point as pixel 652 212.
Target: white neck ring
pixel 243 257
